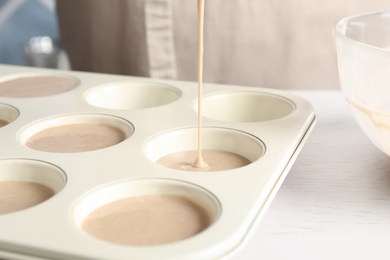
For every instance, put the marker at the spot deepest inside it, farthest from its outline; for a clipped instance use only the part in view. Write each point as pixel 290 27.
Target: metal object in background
pixel 43 52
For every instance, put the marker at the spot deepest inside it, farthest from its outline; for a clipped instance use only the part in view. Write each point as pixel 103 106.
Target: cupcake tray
pixel 159 117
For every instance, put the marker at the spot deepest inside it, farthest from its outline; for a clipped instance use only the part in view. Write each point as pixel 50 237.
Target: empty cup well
pixel 129 95
pixel 245 106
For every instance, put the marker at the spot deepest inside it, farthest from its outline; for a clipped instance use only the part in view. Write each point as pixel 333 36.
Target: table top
pixel 335 202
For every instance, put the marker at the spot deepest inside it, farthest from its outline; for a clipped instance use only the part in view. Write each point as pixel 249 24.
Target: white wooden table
pixel 335 202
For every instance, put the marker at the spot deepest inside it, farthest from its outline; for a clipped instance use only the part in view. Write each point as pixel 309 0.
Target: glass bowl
pixel 363 57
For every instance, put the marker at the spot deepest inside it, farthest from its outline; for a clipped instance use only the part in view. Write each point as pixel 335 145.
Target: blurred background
pixel 265 43
pixel 21 21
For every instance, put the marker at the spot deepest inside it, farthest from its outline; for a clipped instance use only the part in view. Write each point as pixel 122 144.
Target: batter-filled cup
pixel 223 149
pixel 7 114
pixel 129 95
pixel 36 85
pixel 245 106
pixel 75 133
pixel 146 212
pixel 25 183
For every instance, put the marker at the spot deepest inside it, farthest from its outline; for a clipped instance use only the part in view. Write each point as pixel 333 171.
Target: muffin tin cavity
pixel 129 95
pixel 246 106
pixel 7 114
pixel 36 85
pixel 146 212
pixel 215 139
pixel 25 183
pixel 75 133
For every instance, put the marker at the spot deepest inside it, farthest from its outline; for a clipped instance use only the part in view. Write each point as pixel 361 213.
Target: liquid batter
pixel 3 123
pixel 38 86
pixel 199 161
pixel 217 161
pixel 202 161
pixel 76 138
pixel 378 118
pixel 147 220
pixel 18 195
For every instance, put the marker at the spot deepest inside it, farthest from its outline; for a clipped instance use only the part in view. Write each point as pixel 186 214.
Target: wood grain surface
pixel 335 202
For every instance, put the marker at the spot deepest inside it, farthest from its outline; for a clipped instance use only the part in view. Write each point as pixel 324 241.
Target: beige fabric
pixel 267 43
pixel 105 36
pixel 159 40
